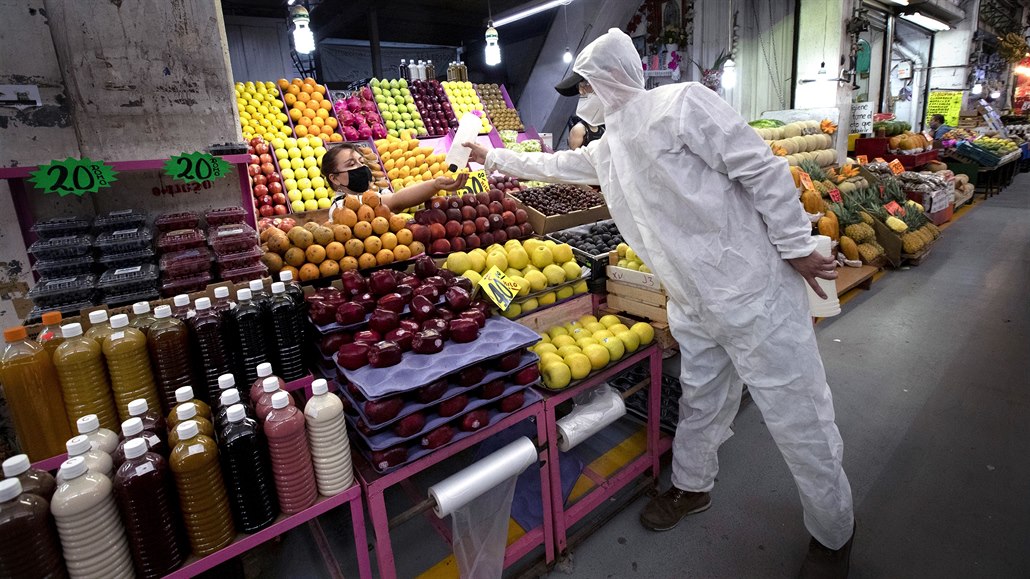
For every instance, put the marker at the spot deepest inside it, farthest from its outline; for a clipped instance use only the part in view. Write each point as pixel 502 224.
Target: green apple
pixel 542 257
pixel 599 355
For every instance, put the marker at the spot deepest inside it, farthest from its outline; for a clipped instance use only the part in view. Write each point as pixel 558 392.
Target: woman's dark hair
pixel 330 159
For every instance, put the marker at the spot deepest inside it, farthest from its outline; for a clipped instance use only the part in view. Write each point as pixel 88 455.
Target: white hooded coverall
pixel 714 214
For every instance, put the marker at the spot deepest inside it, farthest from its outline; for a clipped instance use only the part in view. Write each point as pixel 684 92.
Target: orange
pixel 307 88
pixel 301 130
pixel 354 247
pixel 315 254
pixel 341 233
pixel 348 263
pixel 294 256
pixel 283 83
pixel 345 216
pixel 303 97
pixel 323 113
pixel 384 256
pixel 293 89
pixel 397 223
pixel 336 137
pixel 416 248
pixel 404 236
pixel 295 114
pixel 326 104
pixel 289 98
pixel 310 113
pixel 371 199
pixel 296 81
pixel 291 269
pixel 320 89
pixel 329 268
pixel 366 213
pixel 308 80
pixel 318 122
pixel 362 230
pixel 308 272
pixel 335 251
pixel 380 225
pixel 384 212
pixel 352 202
pixel 331 123
pixel 366 261
pixel 316 96
pixel 389 239
pixel 373 244
pixel 304 121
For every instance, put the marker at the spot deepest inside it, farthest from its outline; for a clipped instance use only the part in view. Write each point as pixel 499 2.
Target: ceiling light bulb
pixel 729 74
pixel 493 51
pixel 995 94
pixel 978 88
pixel 567 57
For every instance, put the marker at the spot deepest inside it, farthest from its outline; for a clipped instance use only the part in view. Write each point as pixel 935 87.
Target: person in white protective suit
pixel 715 215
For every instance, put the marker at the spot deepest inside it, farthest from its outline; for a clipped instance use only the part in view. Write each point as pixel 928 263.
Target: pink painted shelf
pixel 144 165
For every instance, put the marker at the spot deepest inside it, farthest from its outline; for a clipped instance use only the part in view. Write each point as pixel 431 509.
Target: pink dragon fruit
pixel 354 104
pixel 347 118
pixel 365 132
pixel 366 93
pixel 340 106
pixel 350 133
pixel 378 131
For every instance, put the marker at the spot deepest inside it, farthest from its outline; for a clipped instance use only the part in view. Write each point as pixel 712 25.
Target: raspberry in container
pixel 185 263
pixel 243 274
pixel 185 285
pixel 123 240
pixel 67 267
pixel 241 259
pixel 116 260
pixel 52 293
pixel 126 280
pixel 61 247
pixel 115 300
pixel 234 238
pixel 62 227
pixel 173 221
pixel 180 239
pixel 120 220
pixel 224 216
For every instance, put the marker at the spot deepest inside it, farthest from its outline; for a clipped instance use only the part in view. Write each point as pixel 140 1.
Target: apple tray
pixel 499 336
pixel 338 327
pixel 416 450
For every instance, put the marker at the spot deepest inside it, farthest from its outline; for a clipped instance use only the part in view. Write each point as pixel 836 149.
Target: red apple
pixel 274 186
pixel 279 198
pixel 267 168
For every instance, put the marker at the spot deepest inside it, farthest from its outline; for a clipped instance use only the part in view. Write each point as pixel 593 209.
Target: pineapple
pixel 892 192
pixel 813 169
pixel 854 226
pixel 915 240
pixel 868 252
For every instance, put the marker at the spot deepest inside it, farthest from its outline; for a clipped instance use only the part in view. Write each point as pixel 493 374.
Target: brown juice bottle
pixel 97 461
pixel 184 395
pixel 145 494
pixel 131 430
pixel 50 336
pixel 168 342
pixel 99 326
pixel 91 531
pixel 290 457
pixel 28 540
pixel 99 437
pixel 257 388
pixel 125 350
pixel 152 420
pixel 84 383
pixel 188 411
pixel 181 307
pixel 33 393
pixel 141 317
pixel 202 497
pixel 269 388
pixel 35 481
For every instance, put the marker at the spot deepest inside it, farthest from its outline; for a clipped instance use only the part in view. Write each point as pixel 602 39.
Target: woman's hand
pixel 478 153
pixel 815 266
pixel 447 184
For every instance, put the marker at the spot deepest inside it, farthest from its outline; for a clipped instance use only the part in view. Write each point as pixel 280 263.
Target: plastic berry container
pixel 127 259
pixel 241 259
pixel 185 285
pixel 234 238
pixel 224 216
pixel 128 280
pixel 173 221
pixel 64 290
pixel 124 240
pixel 180 239
pixel 120 220
pixel 67 267
pixel 61 227
pixel 185 263
pixel 115 300
pixel 243 274
pixel 61 247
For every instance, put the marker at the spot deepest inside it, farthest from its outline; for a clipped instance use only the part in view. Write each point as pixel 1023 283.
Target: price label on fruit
pixel 896 167
pixel 835 195
pixel 863 160
pixel 499 288
pixel 196 167
pixel 892 207
pixel 806 181
pixel 73 176
pixel 477 183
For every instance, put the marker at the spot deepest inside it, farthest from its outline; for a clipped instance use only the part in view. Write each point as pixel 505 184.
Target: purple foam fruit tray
pixel 338 327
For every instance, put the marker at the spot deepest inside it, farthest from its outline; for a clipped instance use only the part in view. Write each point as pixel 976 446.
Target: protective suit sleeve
pixel 713 131
pixel 576 167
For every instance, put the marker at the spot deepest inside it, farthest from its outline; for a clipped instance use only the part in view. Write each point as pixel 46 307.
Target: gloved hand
pixel 478 154
pixel 815 266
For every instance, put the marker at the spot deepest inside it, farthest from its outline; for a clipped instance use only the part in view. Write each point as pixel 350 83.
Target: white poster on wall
pixel 862 117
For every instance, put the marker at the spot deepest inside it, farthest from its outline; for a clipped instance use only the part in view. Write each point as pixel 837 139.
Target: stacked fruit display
pixel 464 99
pixel 359 116
pixel 261 111
pixel 265 181
pixel 572 351
pixel 560 199
pixel 431 102
pixel 502 117
pixel 800 141
pixel 407 162
pixel 299 162
pixel 629 259
pixel 999 147
pixel 456 223
pixel 597 239
pixel 397 107
pixel 310 109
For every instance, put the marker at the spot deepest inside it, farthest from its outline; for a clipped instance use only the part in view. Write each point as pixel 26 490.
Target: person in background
pixel 582 134
pixel 938 127
pixel 714 214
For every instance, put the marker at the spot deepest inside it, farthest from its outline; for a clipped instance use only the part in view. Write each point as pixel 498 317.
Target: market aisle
pixel 930 372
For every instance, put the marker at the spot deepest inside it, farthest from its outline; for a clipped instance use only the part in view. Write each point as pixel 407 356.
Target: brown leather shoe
pixel 665 511
pixel 823 563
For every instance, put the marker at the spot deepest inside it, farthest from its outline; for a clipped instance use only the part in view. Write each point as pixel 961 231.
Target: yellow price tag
pixel 499 288
pixel 477 183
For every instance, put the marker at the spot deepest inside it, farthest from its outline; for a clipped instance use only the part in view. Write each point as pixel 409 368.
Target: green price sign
pixel 73 177
pixel 196 167
pixel 499 288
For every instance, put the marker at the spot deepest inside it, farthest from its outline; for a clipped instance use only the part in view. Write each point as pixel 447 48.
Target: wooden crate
pixel 546 318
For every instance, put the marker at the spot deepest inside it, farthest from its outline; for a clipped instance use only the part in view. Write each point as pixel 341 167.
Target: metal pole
pixel 373 37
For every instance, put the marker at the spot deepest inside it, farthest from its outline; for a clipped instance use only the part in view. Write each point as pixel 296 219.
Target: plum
pixel 463 330
pixel 410 425
pixel 453 406
pixel 384 354
pixel 427 342
pixel 431 392
pixel 513 402
pixel 384 459
pixel 384 320
pixel 493 389
pixel 350 313
pixel 352 356
pixel 475 420
pixel 438 437
pixel 380 411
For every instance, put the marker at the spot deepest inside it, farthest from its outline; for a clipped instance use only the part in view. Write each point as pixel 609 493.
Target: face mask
pixel 359 179
pixel 590 109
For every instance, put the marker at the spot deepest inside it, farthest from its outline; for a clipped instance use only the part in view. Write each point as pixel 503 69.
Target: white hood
pixel 612 67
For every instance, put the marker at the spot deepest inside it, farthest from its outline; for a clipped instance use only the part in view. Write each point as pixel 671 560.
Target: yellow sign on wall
pixel 944 102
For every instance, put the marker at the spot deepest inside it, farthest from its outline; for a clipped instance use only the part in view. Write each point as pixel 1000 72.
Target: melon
pixel 792 130
pixel 792 160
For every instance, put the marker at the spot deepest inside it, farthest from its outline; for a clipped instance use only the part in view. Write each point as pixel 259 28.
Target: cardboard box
pixel 890 241
pixel 543 224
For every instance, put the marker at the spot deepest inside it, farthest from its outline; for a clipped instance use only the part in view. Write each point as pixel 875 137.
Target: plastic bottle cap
pixel 203 304
pixel 138 406
pixel 221 292
pixel 16 333
pixel 78 445
pixel 73 468
pixel 236 413
pixel 184 394
pixel 16 465
pixel 97 317
pixel 88 423
pixel 140 308
pixel 280 400
pixel 131 427
pixel 135 448
pixel 161 312
pixel 181 300
pixel 256 285
pixel 9 489
pixel 270 384
pixel 243 295
pixel 51 318
pixel 278 287
pixel 119 321
pixel 319 387
pixel 187 429
pixel 186 411
pixel 229 397
pixel 264 370
pixel 285 276
pixel 71 330
pixel 226 381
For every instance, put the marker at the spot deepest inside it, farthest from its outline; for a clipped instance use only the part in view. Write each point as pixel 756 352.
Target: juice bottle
pixel 294 290
pixel 184 395
pixel 131 430
pixel 50 336
pixel 222 303
pixel 28 541
pixel 288 334
pixel 202 497
pixel 35 481
pixel 291 459
pixel 99 326
pixel 141 317
pixel 327 439
pixel 229 399
pixel 168 342
pixel 181 307
pixel 264 404
pixel 92 535
pixel 100 438
pixel 247 471
pixel 33 392
pixel 188 411
pixel 209 346
pixel 248 329
pixel 152 420
pixel 257 387
pixel 125 350
pixel 98 461
pixel 84 384
pixel 259 294
pixel 145 494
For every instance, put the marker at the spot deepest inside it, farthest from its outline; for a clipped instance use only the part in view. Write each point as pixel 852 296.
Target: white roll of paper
pixel 465 485
pixel 823 308
pixel 587 419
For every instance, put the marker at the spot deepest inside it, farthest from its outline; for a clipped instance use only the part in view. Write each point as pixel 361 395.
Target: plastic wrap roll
pixel 821 308
pixel 587 419
pixel 465 485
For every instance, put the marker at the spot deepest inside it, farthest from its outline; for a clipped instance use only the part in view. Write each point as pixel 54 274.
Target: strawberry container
pixel 185 285
pixel 232 238
pixel 242 259
pixel 180 239
pixel 185 263
pixel 173 221
pixel 224 216
pixel 243 274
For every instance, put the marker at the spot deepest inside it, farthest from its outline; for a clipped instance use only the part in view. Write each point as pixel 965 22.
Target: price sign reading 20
pixel 196 167
pixel 73 177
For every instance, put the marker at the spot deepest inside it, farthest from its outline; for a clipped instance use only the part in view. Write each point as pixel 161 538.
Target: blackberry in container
pixel 62 227
pixel 54 293
pixel 120 220
pixel 122 241
pixel 225 216
pixel 61 247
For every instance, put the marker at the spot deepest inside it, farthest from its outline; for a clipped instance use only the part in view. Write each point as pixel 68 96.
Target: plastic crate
pixel 234 238
pixel 977 154
pixel 224 216
pixel 186 263
pixel 128 259
pixel 61 247
pixel 174 221
pixel 180 239
pixel 241 259
pixel 57 268
pixel 139 278
pixel 61 227
pixel 124 240
pixel 55 292
pixel 120 220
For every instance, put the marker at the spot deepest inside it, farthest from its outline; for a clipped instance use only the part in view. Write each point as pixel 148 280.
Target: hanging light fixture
pixel 493 51
pixel 978 88
pixel 995 94
pixel 303 38
pixel 567 56
pixel 729 74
